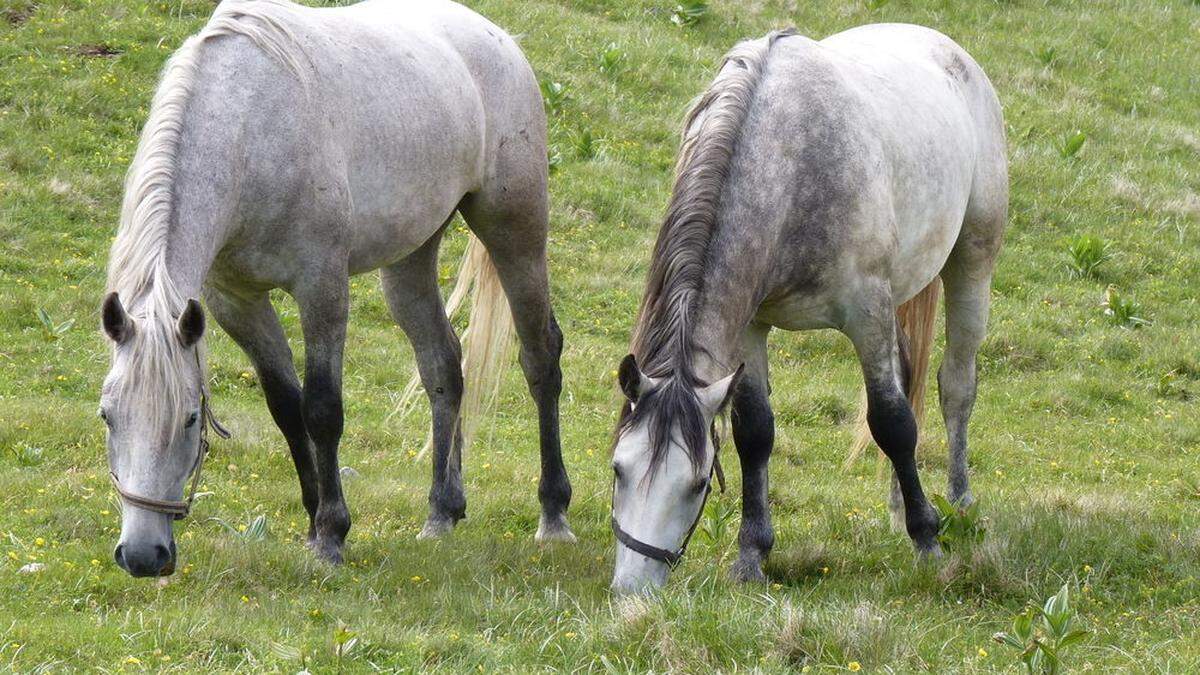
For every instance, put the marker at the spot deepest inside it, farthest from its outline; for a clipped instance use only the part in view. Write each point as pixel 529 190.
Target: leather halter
pixel 180 509
pixel 671 558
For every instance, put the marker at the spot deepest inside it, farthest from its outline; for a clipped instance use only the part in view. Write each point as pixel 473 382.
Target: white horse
pixel 291 147
pixel 819 185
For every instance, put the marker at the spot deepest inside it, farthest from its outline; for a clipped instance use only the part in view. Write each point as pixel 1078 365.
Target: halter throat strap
pixel 179 510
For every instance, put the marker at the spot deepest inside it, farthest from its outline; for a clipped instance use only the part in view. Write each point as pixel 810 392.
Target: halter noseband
pixel 180 509
pixel 671 558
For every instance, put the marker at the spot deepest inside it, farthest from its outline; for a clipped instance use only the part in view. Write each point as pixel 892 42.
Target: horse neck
pixel 718 324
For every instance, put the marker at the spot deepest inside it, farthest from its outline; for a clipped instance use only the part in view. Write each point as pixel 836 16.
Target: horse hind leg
pixel 872 329
pixel 411 291
pixel 510 217
pixel 967 276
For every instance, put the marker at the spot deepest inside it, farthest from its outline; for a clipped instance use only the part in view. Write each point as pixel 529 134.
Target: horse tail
pixel 487 341
pixel 915 321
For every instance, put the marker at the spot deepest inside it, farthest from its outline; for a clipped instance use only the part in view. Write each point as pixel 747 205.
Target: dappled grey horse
pixel 291 147
pixel 819 185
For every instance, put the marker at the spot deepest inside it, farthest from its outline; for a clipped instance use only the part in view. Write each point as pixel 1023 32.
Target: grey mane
pixel 662 340
pixel 137 268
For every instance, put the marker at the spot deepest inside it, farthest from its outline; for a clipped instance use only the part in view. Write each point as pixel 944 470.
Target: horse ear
pixel 116 322
pixel 191 323
pixel 630 378
pixel 633 381
pixel 715 396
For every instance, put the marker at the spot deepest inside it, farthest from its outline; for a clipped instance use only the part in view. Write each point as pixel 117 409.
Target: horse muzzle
pixel 146 559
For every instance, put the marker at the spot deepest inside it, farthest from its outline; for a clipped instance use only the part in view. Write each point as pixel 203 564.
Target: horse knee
pixel 892 424
pixel 323 414
pixel 753 423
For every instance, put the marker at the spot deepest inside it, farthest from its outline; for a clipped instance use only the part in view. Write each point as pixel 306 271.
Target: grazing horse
pixel 819 185
pixel 292 147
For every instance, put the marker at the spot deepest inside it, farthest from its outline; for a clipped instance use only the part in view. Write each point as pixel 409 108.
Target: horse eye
pixel 701 485
pixel 617 471
pixel 191 420
pixel 104 416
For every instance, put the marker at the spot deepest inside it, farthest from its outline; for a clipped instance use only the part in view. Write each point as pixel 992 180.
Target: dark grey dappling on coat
pixel 819 185
pixel 291 147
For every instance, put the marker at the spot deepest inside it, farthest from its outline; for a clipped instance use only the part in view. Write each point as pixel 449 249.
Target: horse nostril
pixel 162 555
pixel 119 556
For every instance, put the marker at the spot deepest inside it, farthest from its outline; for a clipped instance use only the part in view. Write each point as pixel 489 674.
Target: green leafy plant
pixel 718 517
pixel 611 59
pixel 960 526
pixel 875 4
pixel 255 531
pixel 554 157
pixel 1123 311
pixel 344 641
pixel 26 454
pixel 1041 636
pixel 290 653
pixel 555 95
pixel 1047 55
pixel 1071 144
pixel 1087 254
pixel 689 13
pixel 51 329
pixel 587 145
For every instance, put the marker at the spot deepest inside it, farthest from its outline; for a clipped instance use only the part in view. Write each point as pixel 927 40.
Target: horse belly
pixel 412 154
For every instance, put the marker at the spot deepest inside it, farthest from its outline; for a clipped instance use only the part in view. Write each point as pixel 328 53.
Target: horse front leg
pixel 254 325
pixel 324 308
pixel 754 435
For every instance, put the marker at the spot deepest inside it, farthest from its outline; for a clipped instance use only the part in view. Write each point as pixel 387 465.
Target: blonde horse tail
pixel 487 342
pixel 915 321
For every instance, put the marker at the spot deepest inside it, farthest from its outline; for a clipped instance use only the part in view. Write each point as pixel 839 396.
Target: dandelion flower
pixel 854 666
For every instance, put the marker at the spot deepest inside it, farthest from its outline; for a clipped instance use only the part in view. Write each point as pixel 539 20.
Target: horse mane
pixel 137 268
pixel 663 340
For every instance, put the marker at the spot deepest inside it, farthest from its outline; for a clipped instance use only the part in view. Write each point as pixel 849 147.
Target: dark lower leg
pixel 754 435
pixel 254 326
pixel 323 418
pixel 542 371
pixel 895 430
pixel 284 400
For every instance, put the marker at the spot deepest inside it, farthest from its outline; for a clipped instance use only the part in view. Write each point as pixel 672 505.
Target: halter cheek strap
pixel 179 509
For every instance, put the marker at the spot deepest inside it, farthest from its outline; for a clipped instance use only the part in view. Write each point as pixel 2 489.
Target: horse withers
pixel 819 185
pixel 292 147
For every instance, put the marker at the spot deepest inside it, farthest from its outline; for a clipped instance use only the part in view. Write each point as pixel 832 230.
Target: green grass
pixel 1086 445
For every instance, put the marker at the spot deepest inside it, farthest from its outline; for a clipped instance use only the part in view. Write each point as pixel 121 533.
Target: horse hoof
pixel 747 572
pixel 554 530
pixel 436 528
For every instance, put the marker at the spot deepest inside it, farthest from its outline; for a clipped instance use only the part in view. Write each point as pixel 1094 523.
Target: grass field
pixel 1086 445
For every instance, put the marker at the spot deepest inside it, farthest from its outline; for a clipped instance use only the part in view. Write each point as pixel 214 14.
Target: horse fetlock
pixel 923 525
pixel 332 522
pixel 961 496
